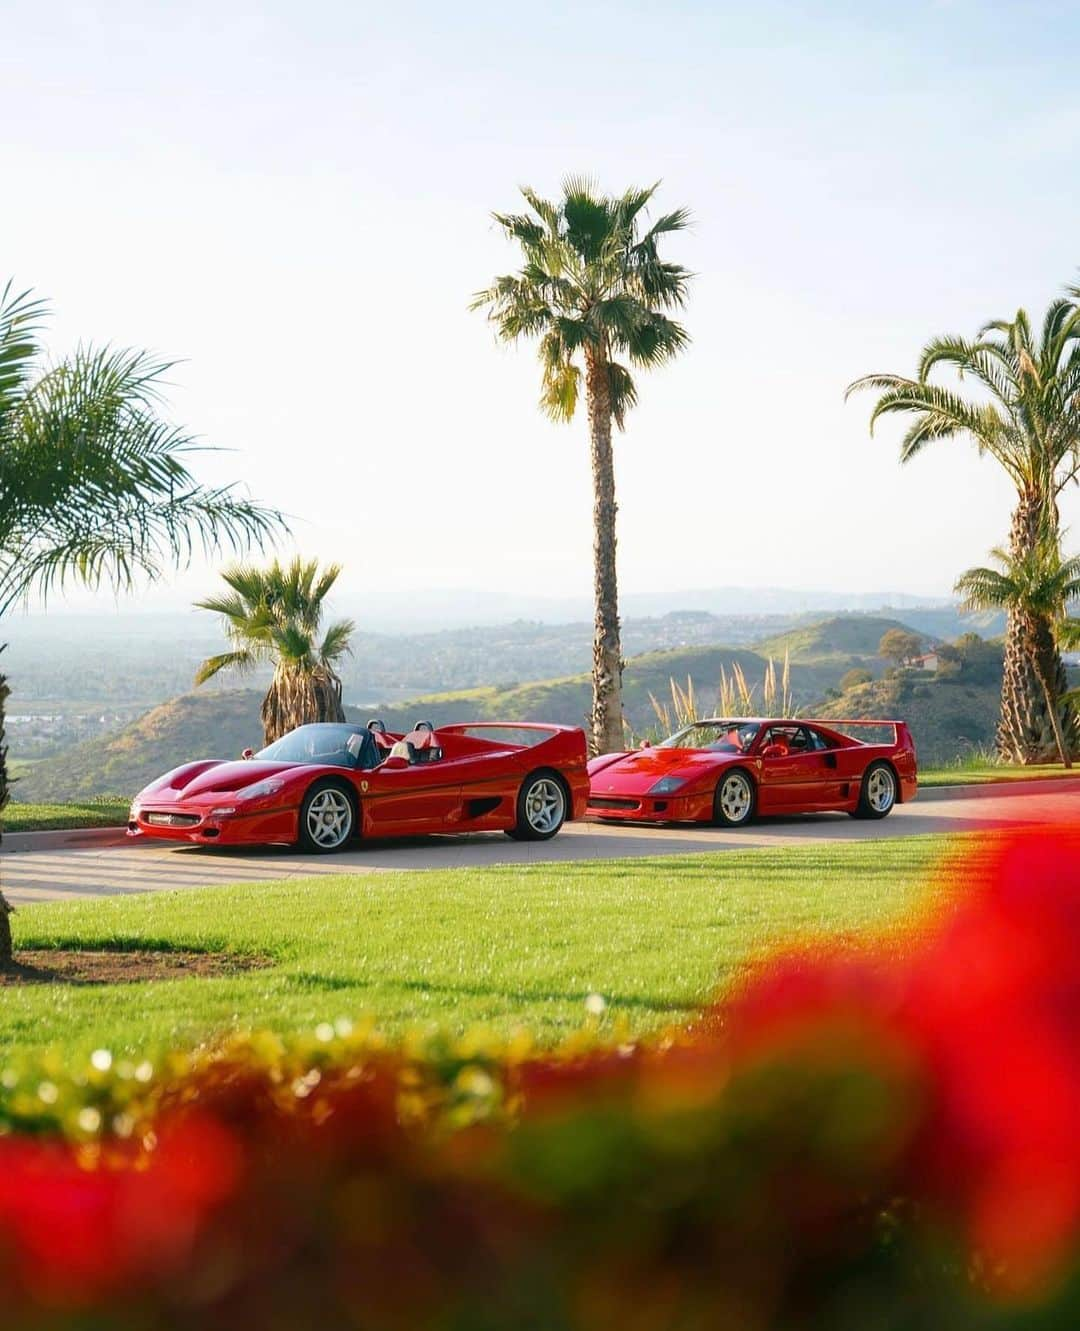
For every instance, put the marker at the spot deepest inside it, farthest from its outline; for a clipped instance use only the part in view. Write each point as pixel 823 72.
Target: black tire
pixel 542 804
pixel 729 811
pixel 322 800
pixel 878 792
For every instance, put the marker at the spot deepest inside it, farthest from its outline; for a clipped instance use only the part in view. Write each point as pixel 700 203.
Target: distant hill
pixel 219 725
pixel 568 700
pixel 949 714
pixel 222 724
pixel 853 638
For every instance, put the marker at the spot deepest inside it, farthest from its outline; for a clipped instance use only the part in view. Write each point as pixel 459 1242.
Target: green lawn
pixel 982 773
pixel 45 817
pixel 509 946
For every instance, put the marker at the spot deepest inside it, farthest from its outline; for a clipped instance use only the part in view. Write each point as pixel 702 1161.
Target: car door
pixel 405 801
pixel 795 781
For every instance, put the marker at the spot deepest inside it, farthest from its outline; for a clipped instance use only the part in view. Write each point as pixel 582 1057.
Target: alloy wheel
pixel 736 797
pixel 329 819
pixel 881 790
pixel 545 805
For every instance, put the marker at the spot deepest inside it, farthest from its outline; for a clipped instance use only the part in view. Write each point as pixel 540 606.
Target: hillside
pixel 567 700
pixel 222 724
pixel 851 638
pixel 950 714
pixel 191 726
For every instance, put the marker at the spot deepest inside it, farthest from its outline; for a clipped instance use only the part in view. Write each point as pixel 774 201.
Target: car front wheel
pixel 327 818
pixel 733 803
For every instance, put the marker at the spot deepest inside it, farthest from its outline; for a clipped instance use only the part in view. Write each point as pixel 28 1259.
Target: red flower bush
pixel 851 1140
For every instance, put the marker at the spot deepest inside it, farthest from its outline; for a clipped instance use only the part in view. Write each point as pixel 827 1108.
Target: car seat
pixel 423 746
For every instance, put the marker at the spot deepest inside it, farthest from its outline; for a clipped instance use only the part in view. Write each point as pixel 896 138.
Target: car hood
pixel 636 773
pixel 217 778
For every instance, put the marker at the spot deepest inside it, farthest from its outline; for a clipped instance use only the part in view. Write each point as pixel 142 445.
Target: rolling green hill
pixel 948 714
pixel 222 724
pixel 191 726
pixel 853 638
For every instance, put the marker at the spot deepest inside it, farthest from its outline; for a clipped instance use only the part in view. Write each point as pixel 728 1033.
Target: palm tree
pixel 273 616
pixel 94 485
pixel 593 289
pixel 1025 414
pixel 1036 589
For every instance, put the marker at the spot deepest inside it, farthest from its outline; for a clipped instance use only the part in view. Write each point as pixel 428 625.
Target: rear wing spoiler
pixel 893 734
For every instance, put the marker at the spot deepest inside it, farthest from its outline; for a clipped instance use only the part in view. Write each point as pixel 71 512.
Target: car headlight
pixel 226 811
pixel 668 785
pixel 259 789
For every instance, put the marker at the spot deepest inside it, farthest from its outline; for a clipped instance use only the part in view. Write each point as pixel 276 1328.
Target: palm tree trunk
pixel 5 909
pixel 1027 731
pixel 298 697
pixel 606 721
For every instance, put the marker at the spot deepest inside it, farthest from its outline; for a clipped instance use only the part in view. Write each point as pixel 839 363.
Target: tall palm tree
pixel 593 289
pixel 1025 414
pixel 274 616
pixel 94 485
pixel 1036 589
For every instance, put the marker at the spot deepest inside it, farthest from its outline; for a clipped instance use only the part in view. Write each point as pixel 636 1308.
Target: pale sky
pixel 295 199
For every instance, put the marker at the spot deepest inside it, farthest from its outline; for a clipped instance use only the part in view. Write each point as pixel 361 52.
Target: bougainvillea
pixel 850 1140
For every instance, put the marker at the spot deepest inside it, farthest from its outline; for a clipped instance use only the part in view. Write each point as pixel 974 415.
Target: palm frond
pixel 213 665
pixel 335 643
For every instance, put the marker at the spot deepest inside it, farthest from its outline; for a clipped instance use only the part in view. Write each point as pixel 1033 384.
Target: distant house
pixel 927 662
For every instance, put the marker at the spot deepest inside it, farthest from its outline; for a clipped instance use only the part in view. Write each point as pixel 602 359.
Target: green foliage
pixel 274 615
pixel 100 811
pixel 900 645
pixel 1026 413
pixel 592 284
pixel 854 678
pixel 94 485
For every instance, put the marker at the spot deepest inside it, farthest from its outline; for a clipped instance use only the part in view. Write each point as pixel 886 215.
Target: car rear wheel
pixel 733 803
pixel 327 818
pixel 878 792
pixel 541 808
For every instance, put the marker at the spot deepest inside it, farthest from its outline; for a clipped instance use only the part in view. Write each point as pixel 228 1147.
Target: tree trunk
pixel 606 722
pixel 1027 732
pixel 5 909
pixel 298 697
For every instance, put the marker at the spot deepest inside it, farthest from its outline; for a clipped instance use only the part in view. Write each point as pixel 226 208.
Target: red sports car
pixel 321 786
pixel 725 771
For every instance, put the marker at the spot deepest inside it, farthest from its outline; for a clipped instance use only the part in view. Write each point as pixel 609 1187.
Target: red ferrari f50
pixel 323 785
pixel 725 771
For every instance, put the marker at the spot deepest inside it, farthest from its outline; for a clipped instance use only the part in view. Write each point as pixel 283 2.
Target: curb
pixel 63 839
pixel 1045 785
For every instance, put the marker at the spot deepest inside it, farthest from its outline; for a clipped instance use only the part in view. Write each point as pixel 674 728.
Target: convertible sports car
pixel 321 786
pixel 725 771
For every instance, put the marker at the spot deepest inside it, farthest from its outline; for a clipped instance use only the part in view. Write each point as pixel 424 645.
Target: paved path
pixel 108 866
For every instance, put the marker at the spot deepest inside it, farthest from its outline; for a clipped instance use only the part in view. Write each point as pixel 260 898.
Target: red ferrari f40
pixel 323 786
pixel 725 771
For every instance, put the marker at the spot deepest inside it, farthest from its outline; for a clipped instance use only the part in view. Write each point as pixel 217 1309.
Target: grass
pixel 980 773
pixel 512 947
pixel 99 812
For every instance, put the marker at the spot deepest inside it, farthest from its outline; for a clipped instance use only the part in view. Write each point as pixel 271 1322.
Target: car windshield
pixel 326 744
pixel 717 736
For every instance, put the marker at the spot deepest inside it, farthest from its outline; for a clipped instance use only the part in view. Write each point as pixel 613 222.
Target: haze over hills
pixel 223 723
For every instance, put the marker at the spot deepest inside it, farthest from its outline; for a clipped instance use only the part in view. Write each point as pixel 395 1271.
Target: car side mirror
pixel 395 763
pixel 774 751
pixel 645 744
pixel 248 753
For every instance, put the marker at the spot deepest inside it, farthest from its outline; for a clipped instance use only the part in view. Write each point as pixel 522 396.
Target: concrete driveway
pixel 52 866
